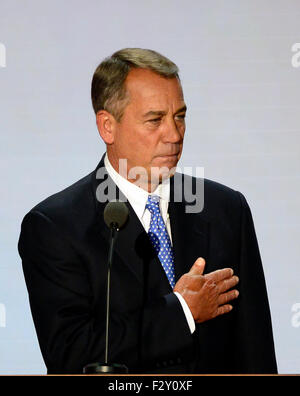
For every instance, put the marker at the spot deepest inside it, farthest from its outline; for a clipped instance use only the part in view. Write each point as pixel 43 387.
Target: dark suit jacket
pixel 64 248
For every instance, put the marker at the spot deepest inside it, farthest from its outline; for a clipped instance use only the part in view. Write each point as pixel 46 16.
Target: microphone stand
pixel 106 368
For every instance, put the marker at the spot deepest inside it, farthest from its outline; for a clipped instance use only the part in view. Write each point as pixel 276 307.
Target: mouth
pixel 169 155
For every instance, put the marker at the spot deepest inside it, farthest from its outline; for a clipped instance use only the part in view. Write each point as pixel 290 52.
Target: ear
pixel 106 126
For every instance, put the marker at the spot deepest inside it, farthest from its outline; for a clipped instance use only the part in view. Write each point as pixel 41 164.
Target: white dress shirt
pixel 137 197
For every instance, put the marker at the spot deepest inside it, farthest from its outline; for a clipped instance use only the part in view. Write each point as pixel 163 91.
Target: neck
pixel 136 175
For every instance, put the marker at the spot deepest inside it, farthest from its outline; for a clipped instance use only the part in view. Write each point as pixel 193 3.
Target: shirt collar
pixel 137 196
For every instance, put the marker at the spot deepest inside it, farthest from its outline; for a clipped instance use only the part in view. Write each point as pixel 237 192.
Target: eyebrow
pixel 162 113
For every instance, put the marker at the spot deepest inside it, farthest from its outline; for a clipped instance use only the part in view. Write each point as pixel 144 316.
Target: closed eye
pixel 155 120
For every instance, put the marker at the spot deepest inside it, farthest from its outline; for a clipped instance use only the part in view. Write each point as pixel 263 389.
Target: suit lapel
pixel 190 232
pixel 131 235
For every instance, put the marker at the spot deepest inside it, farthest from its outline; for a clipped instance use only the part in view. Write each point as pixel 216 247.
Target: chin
pixel 168 162
pixel 163 170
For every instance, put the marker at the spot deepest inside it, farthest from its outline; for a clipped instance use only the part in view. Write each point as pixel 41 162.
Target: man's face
pixel 150 133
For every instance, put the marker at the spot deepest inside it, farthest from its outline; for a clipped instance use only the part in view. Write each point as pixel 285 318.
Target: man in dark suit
pixel 174 305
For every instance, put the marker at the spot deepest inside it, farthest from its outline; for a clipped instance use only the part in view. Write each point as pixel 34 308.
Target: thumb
pixel 198 267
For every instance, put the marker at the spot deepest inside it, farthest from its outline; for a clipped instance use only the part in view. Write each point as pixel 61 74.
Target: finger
pixel 227 284
pixel 226 297
pixel 223 309
pixel 220 275
pixel 198 267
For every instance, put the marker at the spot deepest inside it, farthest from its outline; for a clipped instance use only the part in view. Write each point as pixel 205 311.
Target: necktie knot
pixel 153 204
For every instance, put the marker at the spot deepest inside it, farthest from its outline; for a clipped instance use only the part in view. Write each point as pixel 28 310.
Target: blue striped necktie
pixel 160 239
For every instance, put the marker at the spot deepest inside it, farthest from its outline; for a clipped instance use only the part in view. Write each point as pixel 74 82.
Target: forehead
pixel 147 88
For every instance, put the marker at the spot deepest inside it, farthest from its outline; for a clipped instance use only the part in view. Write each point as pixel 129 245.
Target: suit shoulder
pixel 221 191
pixel 216 197
pixel 212 189
pixel 221 200
pixel 75 200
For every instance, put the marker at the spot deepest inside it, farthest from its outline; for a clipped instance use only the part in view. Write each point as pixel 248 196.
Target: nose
pixel 173 132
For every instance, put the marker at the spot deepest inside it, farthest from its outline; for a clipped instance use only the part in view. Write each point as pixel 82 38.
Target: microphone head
pixel 115 213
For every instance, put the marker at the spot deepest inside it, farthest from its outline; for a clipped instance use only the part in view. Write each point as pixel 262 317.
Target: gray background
pixel 243 126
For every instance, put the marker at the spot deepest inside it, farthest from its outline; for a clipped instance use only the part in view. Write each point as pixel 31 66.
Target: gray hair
pixel 108 85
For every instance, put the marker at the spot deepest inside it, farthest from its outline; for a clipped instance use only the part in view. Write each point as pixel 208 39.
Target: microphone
pixel 115 217
pixel 115 214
